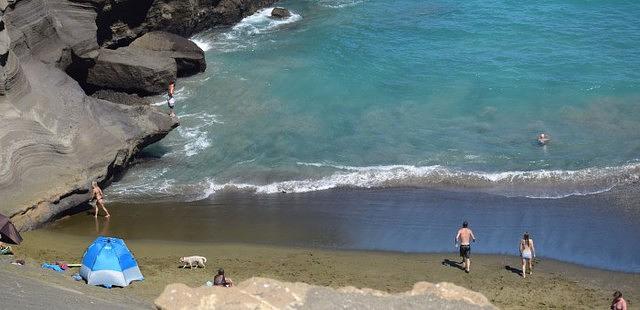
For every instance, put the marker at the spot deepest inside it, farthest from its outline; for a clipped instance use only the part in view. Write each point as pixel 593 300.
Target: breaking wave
pixel 261 21
pixel 201 42
pixel 336 4
pixel 548 184
pixel 241 35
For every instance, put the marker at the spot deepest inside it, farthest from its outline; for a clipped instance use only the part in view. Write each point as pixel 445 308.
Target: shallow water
pixel 408 93
pixel 445 97
pixel 597 231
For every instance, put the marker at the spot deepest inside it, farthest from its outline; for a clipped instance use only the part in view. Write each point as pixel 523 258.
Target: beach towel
pixel 52 267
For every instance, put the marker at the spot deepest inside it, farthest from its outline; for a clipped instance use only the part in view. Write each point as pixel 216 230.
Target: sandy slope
pixel 553 284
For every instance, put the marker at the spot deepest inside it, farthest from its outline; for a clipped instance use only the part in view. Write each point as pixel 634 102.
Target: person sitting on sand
pixel 527 252
pixel 98 195
pixel 543 139
pixel 221 280
pixel 618 302
pixel 465 235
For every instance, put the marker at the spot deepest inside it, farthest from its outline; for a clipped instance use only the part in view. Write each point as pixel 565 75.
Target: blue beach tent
pixel 108 262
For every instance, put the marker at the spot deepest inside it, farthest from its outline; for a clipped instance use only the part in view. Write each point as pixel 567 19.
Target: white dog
pixel 193 261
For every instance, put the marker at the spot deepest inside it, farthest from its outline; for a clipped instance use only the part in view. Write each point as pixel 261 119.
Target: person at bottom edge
pixel 618 302
pixel 221 280
pixel 465 236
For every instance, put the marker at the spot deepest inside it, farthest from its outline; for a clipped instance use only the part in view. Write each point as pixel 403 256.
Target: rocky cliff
pixel 121 21
pixel 262 293
pixel 54 139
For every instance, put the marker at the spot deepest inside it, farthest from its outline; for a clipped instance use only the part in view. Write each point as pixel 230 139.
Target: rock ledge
pixel 263 293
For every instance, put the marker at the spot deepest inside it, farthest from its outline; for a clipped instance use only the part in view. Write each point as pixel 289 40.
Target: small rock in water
pixel 280 13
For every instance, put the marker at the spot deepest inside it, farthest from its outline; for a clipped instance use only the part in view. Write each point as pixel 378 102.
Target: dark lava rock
pixel 280 13
pixel 122 21
pixel 132 70
pixel 189 57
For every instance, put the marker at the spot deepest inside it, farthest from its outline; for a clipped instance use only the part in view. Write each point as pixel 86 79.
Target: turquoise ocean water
pixel 407 93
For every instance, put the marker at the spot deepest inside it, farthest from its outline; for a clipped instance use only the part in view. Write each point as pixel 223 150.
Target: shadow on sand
pixel 451 263
pixel 514 270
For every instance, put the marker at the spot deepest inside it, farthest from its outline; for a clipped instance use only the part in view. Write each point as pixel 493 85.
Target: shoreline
pixel 584 230
pixel 553 283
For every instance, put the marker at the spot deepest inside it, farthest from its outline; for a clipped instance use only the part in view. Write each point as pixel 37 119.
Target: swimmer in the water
pixel 543 139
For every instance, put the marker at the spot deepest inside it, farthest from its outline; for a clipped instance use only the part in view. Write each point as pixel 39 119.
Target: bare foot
pixel 108 215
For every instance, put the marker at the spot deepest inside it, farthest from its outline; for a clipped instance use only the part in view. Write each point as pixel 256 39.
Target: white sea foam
pixel 193 134
pixel 201 42
pixel 196 136
pixel 262 21
pixel 243 34
pixel 181 94
pixel 206 119
pixel 533 184
pixel 336 4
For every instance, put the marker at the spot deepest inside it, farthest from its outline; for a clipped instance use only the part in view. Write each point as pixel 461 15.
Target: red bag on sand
pixel 62 265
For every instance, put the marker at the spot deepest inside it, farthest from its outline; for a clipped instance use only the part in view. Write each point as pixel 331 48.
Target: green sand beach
pixel 340 144
pixel 553 284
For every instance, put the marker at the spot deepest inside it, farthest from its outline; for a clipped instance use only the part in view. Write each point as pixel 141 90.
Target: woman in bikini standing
pixel 98 195
pixel 527 252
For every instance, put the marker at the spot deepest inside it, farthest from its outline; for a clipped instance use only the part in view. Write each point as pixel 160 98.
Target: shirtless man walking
pixel 465 236
pixel 98 195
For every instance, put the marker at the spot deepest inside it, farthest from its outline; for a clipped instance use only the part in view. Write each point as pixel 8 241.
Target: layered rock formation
pixel 54 139
pixel 262 293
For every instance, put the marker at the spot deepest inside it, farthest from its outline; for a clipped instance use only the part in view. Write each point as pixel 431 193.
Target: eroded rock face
pixel 262 293
pixel 54 139
pixel 188 56
pixel 132 69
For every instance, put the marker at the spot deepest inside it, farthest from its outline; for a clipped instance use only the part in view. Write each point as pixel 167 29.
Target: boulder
pixel 132 70
pixel 263 293
pixel 280 13
pixel 188 56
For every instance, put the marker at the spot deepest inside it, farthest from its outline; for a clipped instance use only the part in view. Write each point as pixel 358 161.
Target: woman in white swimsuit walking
pixel 527 252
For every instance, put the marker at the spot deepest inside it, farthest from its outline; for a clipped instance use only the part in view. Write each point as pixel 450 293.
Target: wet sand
pixel 594 230
pixel 553 284
pixel 370 238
